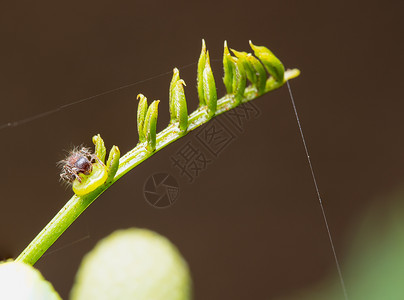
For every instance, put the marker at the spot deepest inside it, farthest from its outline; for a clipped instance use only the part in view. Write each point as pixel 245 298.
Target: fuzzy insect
pixel 78 161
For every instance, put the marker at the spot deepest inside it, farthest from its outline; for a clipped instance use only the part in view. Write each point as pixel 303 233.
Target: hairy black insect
pixel 78 161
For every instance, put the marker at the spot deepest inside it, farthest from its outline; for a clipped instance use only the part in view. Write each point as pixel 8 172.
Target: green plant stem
pixel 76 205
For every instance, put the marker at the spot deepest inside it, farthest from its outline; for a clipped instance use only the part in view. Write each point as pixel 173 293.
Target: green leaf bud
pixel 141 115
pixel 113 162
pixel 201 67
pixel 100 150
pixel 209 88
pixel 239 80
pixel 273 65
pixel 228 69
pixel 250 71
pixel 180 105
pixel 151 124
pixel 260 73
pixel 174 80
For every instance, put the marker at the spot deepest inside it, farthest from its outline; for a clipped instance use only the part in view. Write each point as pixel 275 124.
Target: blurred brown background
pixel 250 225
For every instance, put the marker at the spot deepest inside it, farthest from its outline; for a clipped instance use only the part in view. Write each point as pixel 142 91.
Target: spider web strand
pixel 318 194
pixel 64 106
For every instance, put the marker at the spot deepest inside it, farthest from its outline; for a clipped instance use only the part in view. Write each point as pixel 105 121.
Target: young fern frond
pixel 173 85
pixel 228 69
pixel 201 67
pixel 177 102
pixel 237 69
pixel 273 65
pixel 239 79
pixel 141 116
pixel 150 124
pixel 100 150
pixel 209 87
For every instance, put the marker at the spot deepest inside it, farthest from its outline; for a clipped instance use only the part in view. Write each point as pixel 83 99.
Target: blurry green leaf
pixel 374 266
pixel 133 264
pixel 20 281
